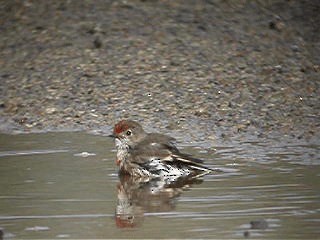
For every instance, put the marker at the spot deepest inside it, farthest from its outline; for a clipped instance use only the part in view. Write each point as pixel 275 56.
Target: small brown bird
pixel 152 155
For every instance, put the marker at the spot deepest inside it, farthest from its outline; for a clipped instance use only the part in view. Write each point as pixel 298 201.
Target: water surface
pixel 64 185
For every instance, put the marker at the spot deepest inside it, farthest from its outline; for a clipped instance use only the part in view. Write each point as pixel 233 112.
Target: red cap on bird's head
pixel 120 127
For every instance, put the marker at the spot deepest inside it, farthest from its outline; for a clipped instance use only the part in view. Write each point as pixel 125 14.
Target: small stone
pixel 50 110
pixel 97 42
pixel 202 112
pixel 295 48
pixel 276 25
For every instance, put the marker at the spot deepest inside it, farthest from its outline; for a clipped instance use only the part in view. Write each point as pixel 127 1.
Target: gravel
pixel 204 70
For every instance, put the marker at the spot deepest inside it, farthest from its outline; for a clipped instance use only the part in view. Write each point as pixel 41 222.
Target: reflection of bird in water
pixel 135 197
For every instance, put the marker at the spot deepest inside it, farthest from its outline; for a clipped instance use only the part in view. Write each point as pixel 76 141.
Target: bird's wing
pixel 161 147
pixel 154 146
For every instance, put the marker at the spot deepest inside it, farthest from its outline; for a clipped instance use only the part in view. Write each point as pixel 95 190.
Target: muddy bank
pixel 205 69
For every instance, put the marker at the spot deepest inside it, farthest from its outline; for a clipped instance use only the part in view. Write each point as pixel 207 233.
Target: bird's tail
pixel 202 170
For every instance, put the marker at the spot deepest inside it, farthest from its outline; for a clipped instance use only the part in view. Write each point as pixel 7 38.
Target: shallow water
pixel 64 185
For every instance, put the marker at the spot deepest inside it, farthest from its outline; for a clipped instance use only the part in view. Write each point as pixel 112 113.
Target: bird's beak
pixel 112 136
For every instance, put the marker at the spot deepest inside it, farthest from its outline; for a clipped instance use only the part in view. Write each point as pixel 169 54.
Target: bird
pixel 152 155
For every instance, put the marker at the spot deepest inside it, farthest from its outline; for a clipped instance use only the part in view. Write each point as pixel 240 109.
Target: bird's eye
pixel 128 132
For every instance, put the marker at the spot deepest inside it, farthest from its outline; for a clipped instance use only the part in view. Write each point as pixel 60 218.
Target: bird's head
pixel 128 133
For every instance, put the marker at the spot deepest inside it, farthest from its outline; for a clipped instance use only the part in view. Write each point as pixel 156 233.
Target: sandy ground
pixel 202 69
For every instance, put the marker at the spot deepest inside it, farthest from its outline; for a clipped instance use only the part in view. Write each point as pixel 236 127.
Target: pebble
pixel 50 110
